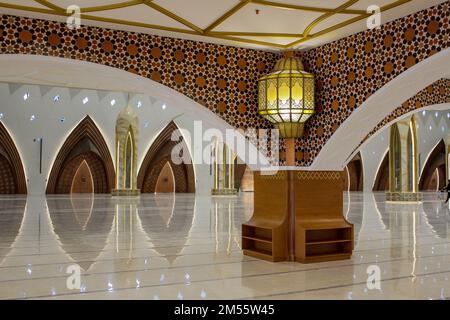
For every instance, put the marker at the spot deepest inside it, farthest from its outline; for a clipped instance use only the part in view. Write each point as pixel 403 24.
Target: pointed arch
pixel 353 175
pixel 85 142
pixel 12 174
pixel 429 179
pixel 157 157
pixel 166 180
pixel 382 176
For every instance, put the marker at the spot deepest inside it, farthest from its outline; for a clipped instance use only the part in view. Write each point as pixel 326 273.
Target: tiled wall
pixel 349 70
pixel 224 79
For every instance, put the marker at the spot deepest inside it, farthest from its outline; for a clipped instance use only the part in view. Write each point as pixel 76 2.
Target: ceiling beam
pixel 113 6
pixel 325 16
pixel 228 14
pixel 255 34
pixel 50 5
pixel 346 23
pixel 303 8
pixel 172 15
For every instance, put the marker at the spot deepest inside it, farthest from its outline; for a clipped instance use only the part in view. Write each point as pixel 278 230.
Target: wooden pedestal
pixel 298 217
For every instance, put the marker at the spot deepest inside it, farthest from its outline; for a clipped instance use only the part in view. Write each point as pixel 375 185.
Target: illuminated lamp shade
pixel 286 96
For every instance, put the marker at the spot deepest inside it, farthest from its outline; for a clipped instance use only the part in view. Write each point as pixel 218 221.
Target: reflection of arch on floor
pixel 433 173
pixel 11 222
pixel 158 156
pixel 82 222
pixel 170 220
pixel 85 143
pixel 12 175
pixel 354 171
pixel 382 178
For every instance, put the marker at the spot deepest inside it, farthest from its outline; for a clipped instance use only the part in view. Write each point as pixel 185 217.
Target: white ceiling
pixel 280 24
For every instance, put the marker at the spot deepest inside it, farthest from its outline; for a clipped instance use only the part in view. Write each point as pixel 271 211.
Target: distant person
pixel 447 188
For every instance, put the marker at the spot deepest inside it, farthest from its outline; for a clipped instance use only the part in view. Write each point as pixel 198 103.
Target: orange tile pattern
pixel 349 70
pixel 224 78
pixel 436 93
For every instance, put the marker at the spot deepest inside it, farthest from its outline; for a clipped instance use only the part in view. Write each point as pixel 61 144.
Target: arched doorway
pixel 12 175
pixel 158 156
pixel 166 180
pixel 353 174
pixel 83 182
pixel 83 163
pixel 433 173
pixel 382 177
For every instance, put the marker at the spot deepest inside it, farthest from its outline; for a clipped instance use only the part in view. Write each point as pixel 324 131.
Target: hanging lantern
pixel 286 96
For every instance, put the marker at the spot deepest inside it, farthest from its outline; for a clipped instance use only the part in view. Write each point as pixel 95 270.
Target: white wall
pixel 47 125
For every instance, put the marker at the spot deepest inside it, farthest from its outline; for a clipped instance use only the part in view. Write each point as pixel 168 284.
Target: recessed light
pixel 139 104
pixel 113 102
pixel 26 96
pixel 33 117
pixel 436 114
pixel 164 106
pixel 56 98
pixel 85 100
pixel 1 116
pixel 424 112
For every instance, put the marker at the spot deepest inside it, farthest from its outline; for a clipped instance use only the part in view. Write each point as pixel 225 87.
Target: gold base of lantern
pixel 290 129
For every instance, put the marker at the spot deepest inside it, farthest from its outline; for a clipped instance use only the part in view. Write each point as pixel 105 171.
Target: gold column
pixel 223 170
pixel 403 162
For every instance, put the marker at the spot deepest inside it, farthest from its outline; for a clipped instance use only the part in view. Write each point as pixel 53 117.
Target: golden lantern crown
pixel 286 96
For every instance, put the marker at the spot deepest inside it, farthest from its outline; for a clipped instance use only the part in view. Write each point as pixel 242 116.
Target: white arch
pixel 379 105
pixel 61 72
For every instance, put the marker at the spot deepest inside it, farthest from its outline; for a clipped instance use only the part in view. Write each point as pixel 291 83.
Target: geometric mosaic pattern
pixel 436 93
pixel 350 70
pixel 319 175
pixel 224 78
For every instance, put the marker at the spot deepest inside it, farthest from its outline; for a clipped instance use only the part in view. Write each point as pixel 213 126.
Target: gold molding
pixel 346 23
pixel 303 8
pixel 113 6
pixel 255 34
pixel 228 14
pixel 327 15
pixel 172 15
pixel 235 36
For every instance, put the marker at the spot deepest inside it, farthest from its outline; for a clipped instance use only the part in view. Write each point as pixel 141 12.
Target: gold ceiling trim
pixel 50 5
pixel 346 23
pixel 303 8
pixel 327 15
pixel 113 6
pixel 228 14
pixel 172 15
pixel 255 34
pixel 235 36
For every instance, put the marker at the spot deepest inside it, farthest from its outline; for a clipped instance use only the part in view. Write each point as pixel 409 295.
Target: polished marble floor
pixel 187 247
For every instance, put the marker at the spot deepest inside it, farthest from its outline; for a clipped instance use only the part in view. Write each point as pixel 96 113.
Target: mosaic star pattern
pixel 349 70
pixel 221 78
pixel 437 93
pixel 224 79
